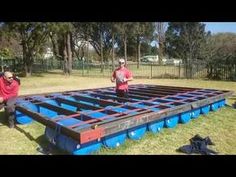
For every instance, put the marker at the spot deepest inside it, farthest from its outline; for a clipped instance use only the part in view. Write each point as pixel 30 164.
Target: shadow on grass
pixel 55 72
pixel 42 74
pixel 35 74
pixel 231 106
pixel 42 142
pixel 3 120
pixel 233 97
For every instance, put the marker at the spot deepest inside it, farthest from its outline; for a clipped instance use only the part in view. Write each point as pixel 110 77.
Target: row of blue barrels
pixel 68 144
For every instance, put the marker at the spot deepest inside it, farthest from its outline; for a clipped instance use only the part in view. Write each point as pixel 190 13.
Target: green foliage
pixel 94 32
pixel 222 47
pixel 6 53
pixel 184 39
pixel 220 52
pixel 32 36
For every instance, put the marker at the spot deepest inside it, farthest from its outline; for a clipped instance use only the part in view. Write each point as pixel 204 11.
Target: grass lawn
pixel 220 126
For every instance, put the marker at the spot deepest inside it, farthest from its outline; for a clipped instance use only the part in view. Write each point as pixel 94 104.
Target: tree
pixel 142 31
pixel 94 32
pixel 114 29
pixel 9 47
pixel 184 40
pixel 32 36
pixel 220 53
pixel 124 29
pixel 61 37
pixel 160 31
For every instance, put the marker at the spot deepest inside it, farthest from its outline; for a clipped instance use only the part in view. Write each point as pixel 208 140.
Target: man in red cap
pixel 9 88
pixel 122 75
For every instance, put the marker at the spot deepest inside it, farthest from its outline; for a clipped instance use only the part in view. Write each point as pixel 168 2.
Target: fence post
pixel 179 70
pixel 151 70
pixel 82 67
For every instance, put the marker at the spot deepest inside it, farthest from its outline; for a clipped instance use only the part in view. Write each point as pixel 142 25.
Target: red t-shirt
pixel 120 74
pixel 8 90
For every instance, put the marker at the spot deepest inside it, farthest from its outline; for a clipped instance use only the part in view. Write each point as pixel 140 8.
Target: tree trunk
pixel 125 48
pixel 113 52
pixel 190 62
pixel 160 52
pixel 65 56
pixel 28 66
pixel 102 65
pixel 138 51
pixel 69 53
pixel 28 70
pixel 186 68
pixel 54 45
pixel 27 60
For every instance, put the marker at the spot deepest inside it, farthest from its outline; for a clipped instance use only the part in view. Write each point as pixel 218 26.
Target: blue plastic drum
pixel 195 113
pixel 43 110
pixel 185 117
pixel 205 109
pixel 67 106
pixel 214 106
pixel 68 144
pixel 115 140
pixel 137 133
pixel 22 118
pixel 221 103
pixel 156 126
pixel 172 121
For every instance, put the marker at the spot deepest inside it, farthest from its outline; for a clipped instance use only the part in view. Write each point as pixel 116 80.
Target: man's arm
pixel 129 76
pixel 128 79
pixel 113 79
pixel 14 93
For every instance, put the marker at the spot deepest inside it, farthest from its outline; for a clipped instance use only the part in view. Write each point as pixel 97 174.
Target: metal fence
pixel 194 70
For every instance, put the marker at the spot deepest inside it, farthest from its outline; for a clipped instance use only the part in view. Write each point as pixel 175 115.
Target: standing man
pixel 9 88
pixel 121 75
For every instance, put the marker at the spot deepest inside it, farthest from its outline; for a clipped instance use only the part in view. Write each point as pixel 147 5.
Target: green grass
pixel 220 126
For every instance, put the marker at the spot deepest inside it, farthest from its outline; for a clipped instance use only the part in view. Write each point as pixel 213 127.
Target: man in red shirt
pixel 9 88
pixel 122 75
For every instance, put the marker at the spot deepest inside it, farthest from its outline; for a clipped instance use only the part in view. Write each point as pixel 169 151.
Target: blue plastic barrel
pixel 22 118
pixel 137 133
pixel 67 106
pixel 116 109
pixel 46 100
pixel 114 140
pixel 121 109
pixel 171 122
pixel 45 111
pixel 221 103
pixel 156 126
pixel 195 113
pixel 185 117
pixel 214 106
pixel 205 109
pixel 68 144
pixel 71 146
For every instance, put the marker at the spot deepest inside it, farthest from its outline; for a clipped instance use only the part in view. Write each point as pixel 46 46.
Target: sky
pixel 216 27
